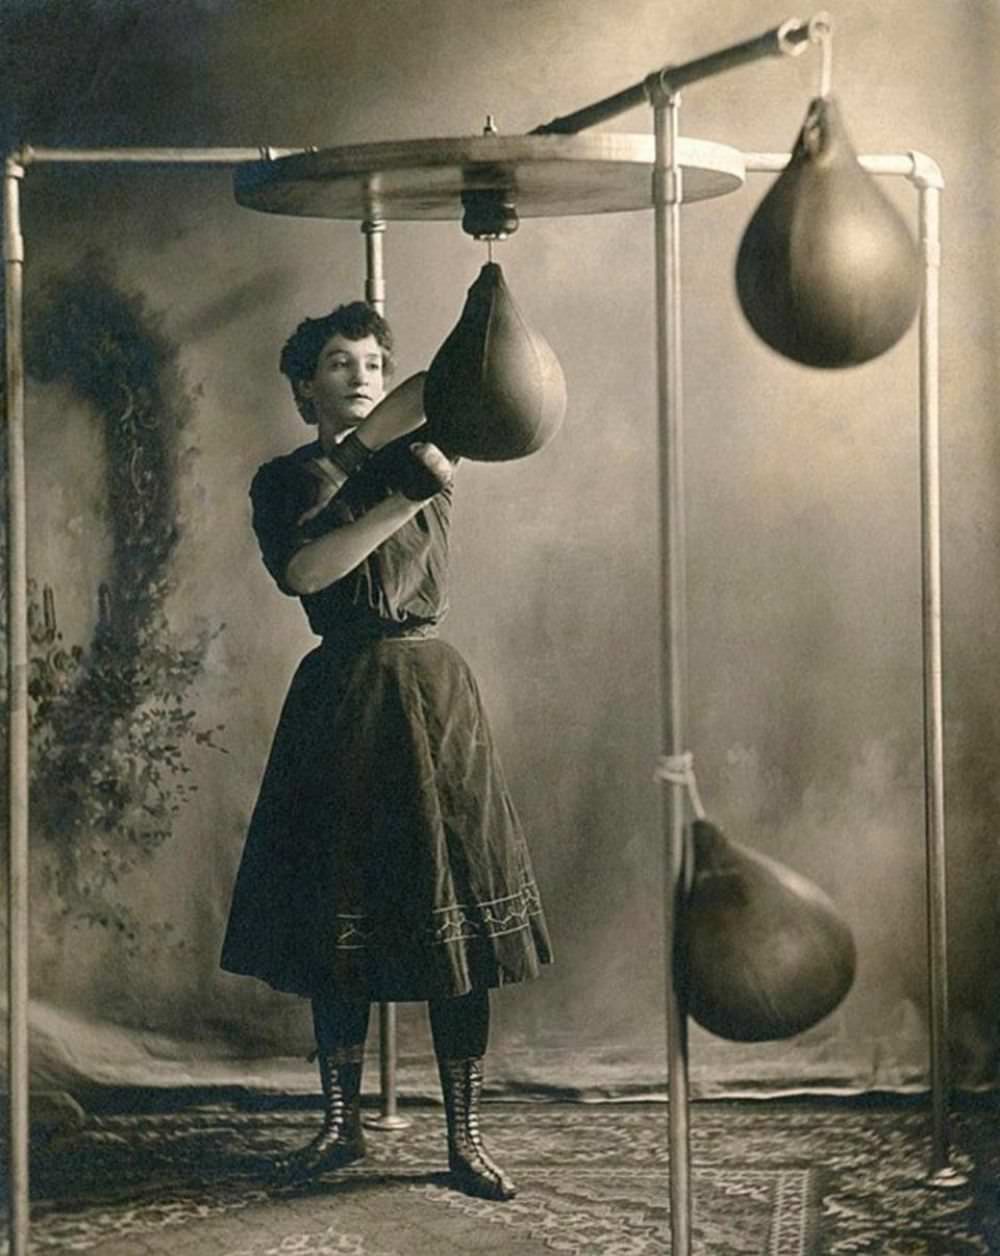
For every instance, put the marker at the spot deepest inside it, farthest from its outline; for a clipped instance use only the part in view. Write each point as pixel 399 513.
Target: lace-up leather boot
pixel 341 1139
pixel 472 1168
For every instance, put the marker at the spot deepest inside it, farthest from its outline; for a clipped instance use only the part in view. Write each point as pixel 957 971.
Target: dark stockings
pixel 461 1027
pixel 339 1022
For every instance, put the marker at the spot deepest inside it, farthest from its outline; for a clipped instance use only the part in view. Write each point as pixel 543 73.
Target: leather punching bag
pixel 495 390
pixel 764 953
pixel 828 273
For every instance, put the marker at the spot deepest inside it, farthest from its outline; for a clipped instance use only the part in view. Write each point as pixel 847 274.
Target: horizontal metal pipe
pixel 915 166
pixel 30 156
pixel 787 39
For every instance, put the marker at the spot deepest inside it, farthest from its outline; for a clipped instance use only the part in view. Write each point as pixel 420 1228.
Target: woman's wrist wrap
pixel 350 454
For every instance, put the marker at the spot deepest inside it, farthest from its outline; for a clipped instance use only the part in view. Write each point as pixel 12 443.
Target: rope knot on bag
pixel 678 769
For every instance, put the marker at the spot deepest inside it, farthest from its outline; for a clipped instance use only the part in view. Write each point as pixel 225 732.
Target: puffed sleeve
pixel 281 492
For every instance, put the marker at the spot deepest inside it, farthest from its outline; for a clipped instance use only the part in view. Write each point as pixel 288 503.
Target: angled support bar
pixel 788 39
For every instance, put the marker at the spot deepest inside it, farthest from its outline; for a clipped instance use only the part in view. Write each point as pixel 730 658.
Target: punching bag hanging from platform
pixel 828 273
pixel 495 390
pixel 764 954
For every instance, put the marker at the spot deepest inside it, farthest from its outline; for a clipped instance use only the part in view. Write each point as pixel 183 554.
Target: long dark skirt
pixel 384 855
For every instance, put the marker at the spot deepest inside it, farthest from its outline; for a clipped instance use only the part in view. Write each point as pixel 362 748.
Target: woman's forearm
pixel 398 413
pixel 330 557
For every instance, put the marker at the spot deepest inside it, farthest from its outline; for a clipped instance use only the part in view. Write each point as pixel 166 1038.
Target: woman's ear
pixel 302 391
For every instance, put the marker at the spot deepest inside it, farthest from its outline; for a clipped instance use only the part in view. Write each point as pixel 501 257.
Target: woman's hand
pixel 398 413
pixel 427 473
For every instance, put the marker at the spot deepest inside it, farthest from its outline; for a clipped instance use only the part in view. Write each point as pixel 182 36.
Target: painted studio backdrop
pixel 156 309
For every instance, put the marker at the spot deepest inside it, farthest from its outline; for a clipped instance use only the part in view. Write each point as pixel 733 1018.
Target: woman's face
pixel 347 383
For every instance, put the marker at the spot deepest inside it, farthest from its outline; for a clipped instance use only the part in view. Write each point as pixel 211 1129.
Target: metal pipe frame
pixel 18 860
pixel 662 91
pixel 925 175
pixel 18 854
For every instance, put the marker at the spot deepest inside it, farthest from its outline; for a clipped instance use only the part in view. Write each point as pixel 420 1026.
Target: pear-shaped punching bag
pixel 828 273
pixel 763 952
pixel 495 390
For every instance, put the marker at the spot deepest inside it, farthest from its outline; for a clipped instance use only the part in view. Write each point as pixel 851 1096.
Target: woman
pixel 384 860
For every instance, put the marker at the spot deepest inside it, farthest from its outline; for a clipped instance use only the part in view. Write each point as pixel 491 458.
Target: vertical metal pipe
pixel 667 197
pixel 17 719
pixel 389 1118
pixel 374 229
pixel 941 1172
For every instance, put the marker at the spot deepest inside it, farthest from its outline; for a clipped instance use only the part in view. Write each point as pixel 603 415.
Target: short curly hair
pixel 300 354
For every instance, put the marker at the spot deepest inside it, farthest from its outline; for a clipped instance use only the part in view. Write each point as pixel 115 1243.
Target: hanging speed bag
pixel 828 273
pixel 495 390
pixel 764 954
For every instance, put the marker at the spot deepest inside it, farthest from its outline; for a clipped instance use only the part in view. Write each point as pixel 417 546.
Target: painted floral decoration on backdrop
pixel 111 721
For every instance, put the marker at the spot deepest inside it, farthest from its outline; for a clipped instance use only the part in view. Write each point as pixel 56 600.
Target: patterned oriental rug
pixel 770 1178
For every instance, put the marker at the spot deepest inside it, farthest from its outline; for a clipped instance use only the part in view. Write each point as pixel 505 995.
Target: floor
pixel 188 1175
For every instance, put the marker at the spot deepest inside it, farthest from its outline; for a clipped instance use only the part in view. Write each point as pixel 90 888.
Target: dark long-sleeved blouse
pixel 401 585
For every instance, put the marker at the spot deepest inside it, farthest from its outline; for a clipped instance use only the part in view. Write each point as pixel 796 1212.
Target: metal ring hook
pixel 792 36
pixel 821 32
